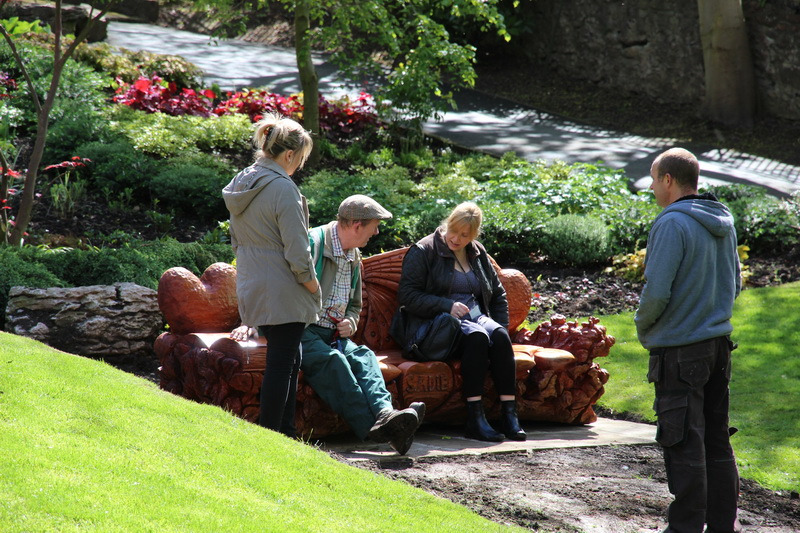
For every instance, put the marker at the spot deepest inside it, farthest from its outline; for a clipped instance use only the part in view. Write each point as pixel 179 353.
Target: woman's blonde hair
pixel 275 134
pixel 465 214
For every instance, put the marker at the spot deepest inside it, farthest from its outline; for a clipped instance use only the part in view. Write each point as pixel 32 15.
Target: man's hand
pixel 242 333
pixel 345 328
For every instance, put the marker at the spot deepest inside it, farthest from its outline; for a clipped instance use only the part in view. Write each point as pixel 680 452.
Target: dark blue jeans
pixel 279 387
pixel 692 399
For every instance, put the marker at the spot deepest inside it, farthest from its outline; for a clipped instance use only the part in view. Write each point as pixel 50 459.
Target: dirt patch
pixel 599 489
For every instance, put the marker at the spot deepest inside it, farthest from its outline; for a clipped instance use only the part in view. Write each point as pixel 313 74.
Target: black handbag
pixel 426 340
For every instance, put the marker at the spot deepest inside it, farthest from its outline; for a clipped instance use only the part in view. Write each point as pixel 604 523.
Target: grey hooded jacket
pixel 692 275
pixel 269 233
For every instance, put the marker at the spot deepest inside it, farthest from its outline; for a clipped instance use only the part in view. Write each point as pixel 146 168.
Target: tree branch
pixel 57 23
pixel 93 19
pixel 4 193
pixel 36 103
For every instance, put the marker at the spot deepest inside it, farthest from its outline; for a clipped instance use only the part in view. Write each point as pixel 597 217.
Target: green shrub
pixel 128 65
pixel 81 96
pixel 763 222
pixel 575 240
pixel 192 185
pixel 140 262
pixel 18 111
pixel 485 167
pixel 448 189
pixel 17 271
pixel 169 136
pixel 511 232
pixel 629 221
pixel 118 166
pixel 77 125
pixel 389 186
pixel 563 189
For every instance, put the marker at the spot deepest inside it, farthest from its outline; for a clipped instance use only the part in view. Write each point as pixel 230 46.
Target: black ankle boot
pixel 509 423
pixel 477 425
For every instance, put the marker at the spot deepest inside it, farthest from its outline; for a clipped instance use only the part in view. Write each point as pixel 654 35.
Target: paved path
pixel 436 440
pixel 481 122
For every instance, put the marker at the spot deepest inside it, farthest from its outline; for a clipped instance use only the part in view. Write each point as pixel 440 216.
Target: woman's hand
pixel 459 310
pixel 242 333
pixel 311 286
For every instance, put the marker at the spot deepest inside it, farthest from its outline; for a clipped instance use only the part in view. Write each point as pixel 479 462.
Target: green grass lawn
pixel 765 386
pixel 87 447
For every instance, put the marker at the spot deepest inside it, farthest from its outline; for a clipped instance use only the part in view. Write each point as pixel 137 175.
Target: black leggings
pixel 477 357
pixel 279 387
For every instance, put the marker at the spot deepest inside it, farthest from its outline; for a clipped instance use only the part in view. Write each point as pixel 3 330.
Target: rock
pixel 73 18
pixel 144 10
pixel 119 321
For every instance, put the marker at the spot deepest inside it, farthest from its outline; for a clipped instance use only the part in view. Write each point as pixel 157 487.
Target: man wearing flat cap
pixel 345 375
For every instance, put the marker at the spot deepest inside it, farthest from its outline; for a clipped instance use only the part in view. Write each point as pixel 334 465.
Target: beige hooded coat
pixel 269 234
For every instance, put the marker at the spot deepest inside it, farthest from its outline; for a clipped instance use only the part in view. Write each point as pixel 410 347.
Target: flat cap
pixel 361 207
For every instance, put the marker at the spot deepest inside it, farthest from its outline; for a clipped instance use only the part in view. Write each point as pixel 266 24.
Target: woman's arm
pixel 291 222
pixel 412 291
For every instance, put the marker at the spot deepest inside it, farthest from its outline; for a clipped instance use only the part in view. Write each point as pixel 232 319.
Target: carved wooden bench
pixel 557 379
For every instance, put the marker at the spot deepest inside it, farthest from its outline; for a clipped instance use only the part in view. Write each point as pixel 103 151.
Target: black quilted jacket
pixel 428 269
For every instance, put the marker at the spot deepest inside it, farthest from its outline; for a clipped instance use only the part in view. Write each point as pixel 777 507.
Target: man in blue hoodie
pixel 692 278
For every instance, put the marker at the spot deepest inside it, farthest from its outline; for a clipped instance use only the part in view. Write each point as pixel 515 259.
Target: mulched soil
pixel 613 489
pixel 582 293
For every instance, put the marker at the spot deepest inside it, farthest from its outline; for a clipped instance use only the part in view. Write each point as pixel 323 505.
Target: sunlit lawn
pixel 765 387
pixel 87 447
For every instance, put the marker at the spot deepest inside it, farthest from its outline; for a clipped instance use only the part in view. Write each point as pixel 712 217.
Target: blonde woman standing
pixel 275 281
pixel 449 271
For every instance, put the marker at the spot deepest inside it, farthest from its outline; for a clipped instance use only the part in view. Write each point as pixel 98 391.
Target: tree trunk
pixel 25 212
pixel 308 74
pixel 60 58
pixel 730 86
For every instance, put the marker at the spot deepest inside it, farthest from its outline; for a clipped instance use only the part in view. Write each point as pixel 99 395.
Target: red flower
pixel 75 162
pixel 12 173
pixel 157 95
pixel 142 84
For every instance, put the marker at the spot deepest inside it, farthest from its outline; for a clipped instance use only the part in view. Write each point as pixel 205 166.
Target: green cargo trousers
pixel 347 377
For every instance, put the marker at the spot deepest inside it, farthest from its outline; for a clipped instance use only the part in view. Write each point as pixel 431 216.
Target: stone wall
pixel 653 48
pixel 117 322
pixel 774 30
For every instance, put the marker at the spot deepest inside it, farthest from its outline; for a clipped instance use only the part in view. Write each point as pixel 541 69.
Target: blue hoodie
pixel 692 275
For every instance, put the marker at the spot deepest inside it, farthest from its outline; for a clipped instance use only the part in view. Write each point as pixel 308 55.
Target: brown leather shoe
pixel 402 443
pixel 393 422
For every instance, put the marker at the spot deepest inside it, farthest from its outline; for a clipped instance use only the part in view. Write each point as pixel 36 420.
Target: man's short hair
pixel 679 163
pixel 347 222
